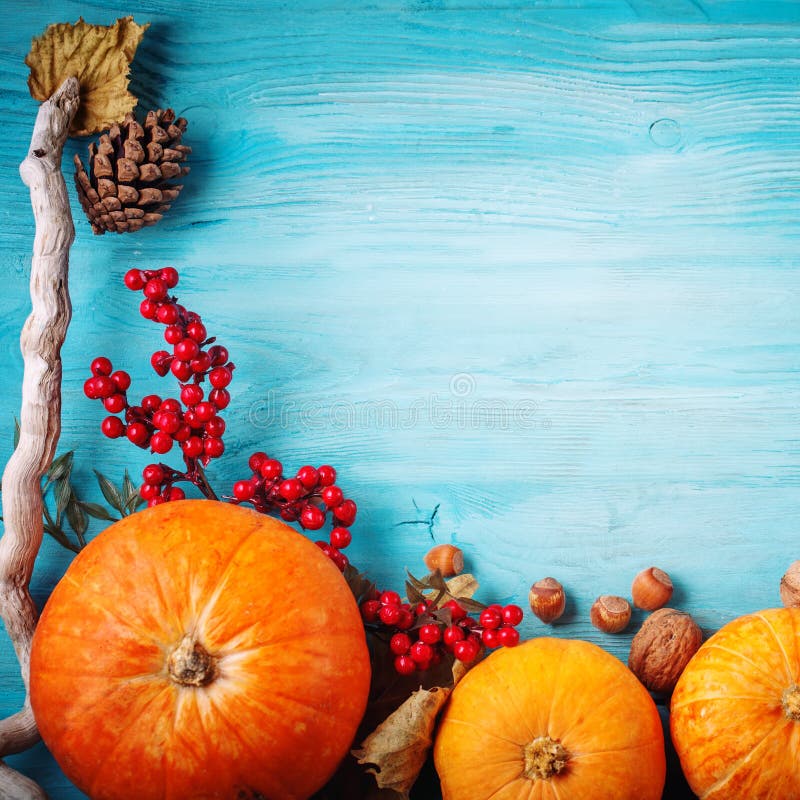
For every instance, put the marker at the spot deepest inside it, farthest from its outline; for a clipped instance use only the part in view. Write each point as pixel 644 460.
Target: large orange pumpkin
pixel 199 650
pixel 552 719
pixel 735 716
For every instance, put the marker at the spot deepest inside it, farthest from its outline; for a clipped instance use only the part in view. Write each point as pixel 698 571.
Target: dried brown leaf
pixel 99 56
pixel 399 746
pixel 464 585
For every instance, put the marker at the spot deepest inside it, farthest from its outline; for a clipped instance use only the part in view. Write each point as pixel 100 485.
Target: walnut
pixel 663 647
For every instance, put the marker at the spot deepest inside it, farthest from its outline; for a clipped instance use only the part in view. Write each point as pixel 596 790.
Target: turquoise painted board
pixel 532 263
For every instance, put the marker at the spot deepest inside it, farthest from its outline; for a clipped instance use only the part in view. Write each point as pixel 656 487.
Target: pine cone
pixel 129 167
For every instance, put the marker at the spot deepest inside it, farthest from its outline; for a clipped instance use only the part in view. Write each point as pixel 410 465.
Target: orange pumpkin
pixel 735 714
pixel 199 650
pixel 552 719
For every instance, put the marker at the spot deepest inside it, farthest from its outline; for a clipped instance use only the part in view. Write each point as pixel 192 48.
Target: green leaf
pixel 63 493
pixel 77 519
pixel 413 594
pixel 97 511
pixel 131 494
pixel 61 467
pixel 16 432
pixel 110 492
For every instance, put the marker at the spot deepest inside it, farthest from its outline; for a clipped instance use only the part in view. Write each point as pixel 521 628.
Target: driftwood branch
pixel 40 416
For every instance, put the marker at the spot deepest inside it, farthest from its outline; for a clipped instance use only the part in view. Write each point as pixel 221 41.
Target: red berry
pixel 430 634
pixel 171 405
pixel 193 447
pixel 405 665
pixel 113 427
pixel 400 643
pixel 489 637
pixel 219 355
pixel 173 334
pixel 307 475
pixel 214 447
pixel 167 314
pixel 332 496
pixel 290 513
pixel 271 469
pixel 420 609
pixel 215 427
pixel 134 279
pixel 155 289
pixel 160 362
pixel 456 612
pixel 181 370
pixel 345 513
pixel 291 489
pixel 243 490
pixel 200 364
pixel 406 618
pixel 220 398
pixel 101 366
pixel 137 433
pixel 452 634
pixel 115 403
pixel 512 615
pixel 168 422
pixel 508 636
pixel 148 309
pixel 490 619
pixel 421 652
pixel 153 474
pixel 205 411
pixel 390 598
pixel 89 389
pixel 122 379
pixel 176 493
pixel 186 349
pixel 256 460
pixel 133 413
pixel 170 276
pixel 182 434
pixel 155 501
pixel 312 518
pixel 341 537
pixel 104 387
pixel 340 559
pixel 326 475
pixel 149 490
pixel 151 402
pixel 191 394
pixel 370 610
pixel 220 377
pixel 196 331
pixel 161 442
pixel 390 615
pixel 466 650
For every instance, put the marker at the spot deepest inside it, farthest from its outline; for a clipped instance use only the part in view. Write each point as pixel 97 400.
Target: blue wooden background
pixel 534 263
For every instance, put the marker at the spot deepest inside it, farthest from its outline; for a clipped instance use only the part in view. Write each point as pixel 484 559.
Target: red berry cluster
pixel 191 420
pixel 306 498
pixel 421 634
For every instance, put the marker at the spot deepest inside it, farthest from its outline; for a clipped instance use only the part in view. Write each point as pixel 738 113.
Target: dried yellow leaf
pixel 399 746
pixel 99 56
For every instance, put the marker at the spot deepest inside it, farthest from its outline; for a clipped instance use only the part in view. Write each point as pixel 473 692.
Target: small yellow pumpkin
pixel 735 716
pixel 552 719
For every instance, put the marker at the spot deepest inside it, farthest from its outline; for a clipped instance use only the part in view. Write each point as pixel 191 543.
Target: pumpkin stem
pixel 544 758
pixel 791 702
pixel 190 664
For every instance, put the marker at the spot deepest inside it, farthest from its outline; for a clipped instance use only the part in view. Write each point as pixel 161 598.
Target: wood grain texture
pixel 533 262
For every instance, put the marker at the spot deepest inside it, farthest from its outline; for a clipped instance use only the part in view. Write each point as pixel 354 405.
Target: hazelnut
pixel 652 589
pixel 547 599
pixel 447 558
pixel 790 586
pixel 610 614
pixel 663 647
